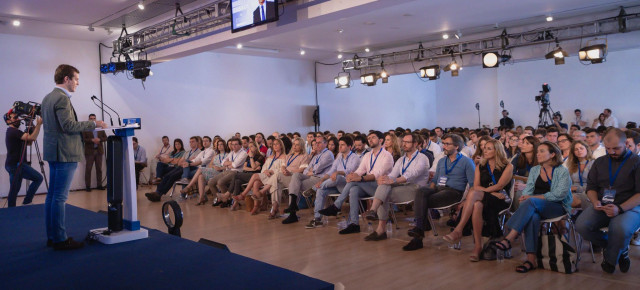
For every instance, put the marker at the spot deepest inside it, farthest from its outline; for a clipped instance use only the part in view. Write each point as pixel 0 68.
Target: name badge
pixel 442 181
pixel 608 196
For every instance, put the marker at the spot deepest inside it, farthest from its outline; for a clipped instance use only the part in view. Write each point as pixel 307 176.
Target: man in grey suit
pixel 63 149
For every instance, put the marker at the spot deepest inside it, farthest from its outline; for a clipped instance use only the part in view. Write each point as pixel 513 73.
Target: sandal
pixel 202 201
pixel 256 208
pixel 525 267
pixel 474 258
pixel 452 240
pixel 500 246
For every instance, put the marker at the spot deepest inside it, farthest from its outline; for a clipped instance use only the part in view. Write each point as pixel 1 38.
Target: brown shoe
pixel 69 244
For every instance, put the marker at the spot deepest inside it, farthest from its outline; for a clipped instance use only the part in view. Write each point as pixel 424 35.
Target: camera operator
pixel 63 149
pixel 16 141
pixel 557 122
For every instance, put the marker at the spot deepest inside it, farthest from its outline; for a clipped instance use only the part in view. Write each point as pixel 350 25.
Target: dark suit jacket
pixel 269 12
pixel 88 144
pixel 62 131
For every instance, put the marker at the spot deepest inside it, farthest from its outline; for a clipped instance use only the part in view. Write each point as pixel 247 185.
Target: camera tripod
pixel 544 118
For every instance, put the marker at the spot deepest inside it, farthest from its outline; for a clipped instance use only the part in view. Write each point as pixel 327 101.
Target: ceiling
pixel 378 25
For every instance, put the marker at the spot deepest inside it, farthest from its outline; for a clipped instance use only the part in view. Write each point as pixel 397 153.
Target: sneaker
pixel 624 262
pixel 292 218
pixel 371 215
pixel 184 180
pixel 416 233
pixel 635 241
pixel 69 244
pixel 314 223
pixel 414 244
pixel 374 236
pixel 331 210
pixel 351 229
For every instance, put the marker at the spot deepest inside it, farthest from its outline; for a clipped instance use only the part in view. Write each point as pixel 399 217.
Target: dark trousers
pixel 167 181
pixel 95 158
pixel 236 184
pixel 16 176
pixel 139 167
pixel 427 198
pixel 161 169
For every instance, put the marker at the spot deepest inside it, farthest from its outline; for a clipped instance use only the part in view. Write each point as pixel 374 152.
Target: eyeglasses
pixel 446 144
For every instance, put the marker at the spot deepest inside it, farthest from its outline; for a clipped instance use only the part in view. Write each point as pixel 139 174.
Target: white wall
pixel 216 94
pixel 613 84
pixel 27 75
pixel 406 101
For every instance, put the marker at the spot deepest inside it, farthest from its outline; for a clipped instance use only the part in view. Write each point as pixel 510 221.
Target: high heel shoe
pixel 449 239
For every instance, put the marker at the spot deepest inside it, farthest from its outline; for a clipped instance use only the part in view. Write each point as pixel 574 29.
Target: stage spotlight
pixel 453 67
pixel 431 72
pixel 558 54
pixel 383 74
pixel 594 53
pixel 343 80
pixel 490 59
pixel 369 79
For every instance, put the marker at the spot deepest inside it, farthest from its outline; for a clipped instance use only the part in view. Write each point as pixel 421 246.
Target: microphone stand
pixel 478 109
pixel 101 102
pixel 94 102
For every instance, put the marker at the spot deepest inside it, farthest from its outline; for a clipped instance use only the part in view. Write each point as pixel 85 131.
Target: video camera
pixel 543 97
pixel 26 109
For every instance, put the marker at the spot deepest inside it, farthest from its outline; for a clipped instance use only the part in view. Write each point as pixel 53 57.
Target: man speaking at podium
pixel 63 149
pixel 264 11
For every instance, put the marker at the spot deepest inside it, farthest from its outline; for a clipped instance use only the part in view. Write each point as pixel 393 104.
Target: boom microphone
pixel 94 102
pixel 101 102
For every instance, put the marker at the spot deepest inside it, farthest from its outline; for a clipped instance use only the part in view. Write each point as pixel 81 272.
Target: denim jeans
pixel 26 172
pixel 357 190
pixel 327 187
pixel 60 175
pixel 161 169
pixel 189 172
pixel 616 240
pixel 527 218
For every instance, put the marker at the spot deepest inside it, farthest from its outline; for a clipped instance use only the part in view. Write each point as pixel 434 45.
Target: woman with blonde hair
pixel 294 162
pixel 392 146
pixel 488 197
pixel 579 164
pixel 203 174
pixel 271 166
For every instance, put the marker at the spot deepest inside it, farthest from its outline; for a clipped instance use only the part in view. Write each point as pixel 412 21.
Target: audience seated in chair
pixel 190 167
pixel 547 195
pixel 233 163
pixel 295 162
pixel 579 164
pixel 613 186
pixel 140 159
pixel 253 165
pixel 489 196
pixel 175 173
pixel 204 174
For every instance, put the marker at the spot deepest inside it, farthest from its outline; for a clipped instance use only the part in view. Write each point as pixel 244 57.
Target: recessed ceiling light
pixel 445 36
pixel 367 49
pixel 302 52
pixel 16 23
pixel 340 30
pixel 239 45
pixel 549 18
pixel 340 56
pixel 141 5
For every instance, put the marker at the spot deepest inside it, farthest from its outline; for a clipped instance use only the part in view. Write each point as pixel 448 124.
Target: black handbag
pixel 554 252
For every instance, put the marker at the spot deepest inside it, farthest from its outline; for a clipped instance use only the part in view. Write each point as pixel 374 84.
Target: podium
pixel 123 223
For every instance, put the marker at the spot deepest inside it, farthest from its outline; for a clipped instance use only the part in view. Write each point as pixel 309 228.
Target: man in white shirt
pixel 334 180
pixel 610 120
pixel 189 167
pixel 360 146
pixel 362 182
pixel 408 174
pixel 593 140
pixel 579 120
pixel 232 164
pixel 633 141
pixel 175 173
pixel 164 152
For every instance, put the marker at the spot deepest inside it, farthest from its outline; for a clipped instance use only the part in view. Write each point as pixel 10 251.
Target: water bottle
pixel 325 220
pixel 369 227
pixel 389 229
pixel 500 256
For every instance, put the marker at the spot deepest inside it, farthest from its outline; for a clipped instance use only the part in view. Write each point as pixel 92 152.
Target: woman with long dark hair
pixel 579 164
pixel 172 160
pixel 203 174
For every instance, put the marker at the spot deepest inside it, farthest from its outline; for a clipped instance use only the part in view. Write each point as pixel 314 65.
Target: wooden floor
pixel 351 263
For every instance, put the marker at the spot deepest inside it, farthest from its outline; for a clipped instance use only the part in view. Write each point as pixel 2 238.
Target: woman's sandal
pixel 525 267
pixel 256 208
pixel 498 245
pixel 202 202
pixel 474 258
pixel 452 240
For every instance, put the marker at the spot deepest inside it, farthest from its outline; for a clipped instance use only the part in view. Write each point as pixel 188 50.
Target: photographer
pixel 16 141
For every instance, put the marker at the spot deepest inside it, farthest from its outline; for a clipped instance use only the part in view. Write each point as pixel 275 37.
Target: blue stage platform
pixel 161 261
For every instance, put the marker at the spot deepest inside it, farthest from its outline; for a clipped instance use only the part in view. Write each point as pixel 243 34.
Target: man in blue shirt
pixel 453 173
pixel 318 167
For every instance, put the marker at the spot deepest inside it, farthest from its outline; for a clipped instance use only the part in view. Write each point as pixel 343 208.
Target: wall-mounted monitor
pixel 250 13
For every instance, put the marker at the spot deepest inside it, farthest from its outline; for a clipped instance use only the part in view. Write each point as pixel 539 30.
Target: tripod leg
pixel 46 182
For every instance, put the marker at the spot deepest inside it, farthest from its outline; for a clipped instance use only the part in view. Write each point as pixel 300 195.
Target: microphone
pixel 119 121
pixel 477 106
pixel 502 104
pixel 94 102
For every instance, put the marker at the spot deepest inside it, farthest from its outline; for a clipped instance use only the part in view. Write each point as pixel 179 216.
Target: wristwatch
pixel 620 210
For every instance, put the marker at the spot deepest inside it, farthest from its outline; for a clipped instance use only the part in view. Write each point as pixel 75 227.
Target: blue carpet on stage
pixel 161 261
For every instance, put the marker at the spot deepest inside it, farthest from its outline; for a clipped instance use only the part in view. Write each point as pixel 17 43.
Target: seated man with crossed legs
pixel 362 182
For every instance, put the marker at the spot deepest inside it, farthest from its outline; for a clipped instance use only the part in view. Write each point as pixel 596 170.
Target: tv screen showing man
pixel 250 13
